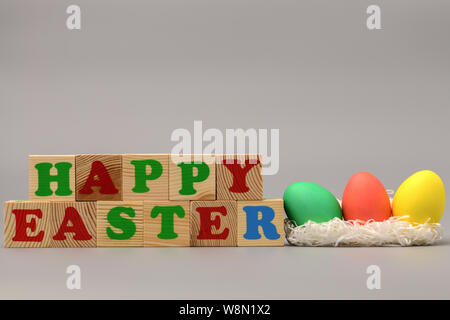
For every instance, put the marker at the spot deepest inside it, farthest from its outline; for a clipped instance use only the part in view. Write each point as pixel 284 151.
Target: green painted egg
pixel 304 201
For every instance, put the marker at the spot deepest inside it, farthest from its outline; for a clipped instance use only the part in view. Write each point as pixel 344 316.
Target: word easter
pixel 136 200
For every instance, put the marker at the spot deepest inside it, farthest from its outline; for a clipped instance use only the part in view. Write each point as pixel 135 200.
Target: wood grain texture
pixel 229 221
pixel 103 208
pixel 42 224
pixel 253 178
pixel 205 190
pixel 33 176
pixel 88 213
pixel 159 188
pixel 278 221
pixel 152 226
pixel 113 165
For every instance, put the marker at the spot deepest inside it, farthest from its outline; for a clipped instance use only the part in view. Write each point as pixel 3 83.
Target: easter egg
pixel 421 197
pixel 304 201
pixel 365 198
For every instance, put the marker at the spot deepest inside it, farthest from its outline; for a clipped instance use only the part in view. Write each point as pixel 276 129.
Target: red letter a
pixel 239 174
pixel 104 180
pixel 206 223
pixel 77 227
pixel 22 225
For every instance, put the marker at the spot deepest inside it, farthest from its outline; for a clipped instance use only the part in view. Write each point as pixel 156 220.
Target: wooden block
pixel 239 177
pixel 175 232
pixel 213 223
pixel 27 224
pixel 98 177
pixel 120 223
pixel 260 219
pixel 51 177
pixel 73 224
pixel 145 176
pixel 203 184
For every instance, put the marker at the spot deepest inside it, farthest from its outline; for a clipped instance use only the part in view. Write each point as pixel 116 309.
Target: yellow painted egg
pixel 421 197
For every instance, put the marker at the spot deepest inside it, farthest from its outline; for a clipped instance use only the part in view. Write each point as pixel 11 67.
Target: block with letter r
pixel 260 223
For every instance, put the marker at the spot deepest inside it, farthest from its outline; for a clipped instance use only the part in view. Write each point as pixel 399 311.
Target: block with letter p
pixel 260 223
pixel 51 177
pixel 192 177
pixel 145 176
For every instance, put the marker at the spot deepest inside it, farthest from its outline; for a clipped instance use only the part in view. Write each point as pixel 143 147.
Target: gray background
pixel 344 98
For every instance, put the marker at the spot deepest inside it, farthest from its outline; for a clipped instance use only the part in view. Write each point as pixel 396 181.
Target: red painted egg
pixel 365 198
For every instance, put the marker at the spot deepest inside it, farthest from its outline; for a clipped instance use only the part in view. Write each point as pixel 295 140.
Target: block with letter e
pixel 145 176
pixel 260 223
pixel 51 177
pixel 166 223
pixel 213 223
pixel 27 224
pixel 98 177
pixel 239 177
pixel 120 223
pixel 192 177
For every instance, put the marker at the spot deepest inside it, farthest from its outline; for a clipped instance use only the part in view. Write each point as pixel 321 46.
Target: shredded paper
pixel 338 232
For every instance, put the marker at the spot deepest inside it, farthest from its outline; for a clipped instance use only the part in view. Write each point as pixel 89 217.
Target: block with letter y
pixel 239 177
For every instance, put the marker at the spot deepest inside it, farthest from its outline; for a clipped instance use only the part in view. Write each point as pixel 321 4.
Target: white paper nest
pixel 338 232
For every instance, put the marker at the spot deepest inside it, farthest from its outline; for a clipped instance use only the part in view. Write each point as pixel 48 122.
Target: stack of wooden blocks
pixel 150 200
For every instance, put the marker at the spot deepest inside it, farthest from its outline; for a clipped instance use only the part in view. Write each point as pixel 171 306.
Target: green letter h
pixel 62 178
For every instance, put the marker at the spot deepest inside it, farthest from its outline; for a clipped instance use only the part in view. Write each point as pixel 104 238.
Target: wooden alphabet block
pixel 193 178
pixel 145 176
pixel 98 177
pixel 51 177
pixel 239 177
pixel 73 224
pixel 260 223
pixel 213 223
pixel 27 224
pixel 166 224
pixel 120 223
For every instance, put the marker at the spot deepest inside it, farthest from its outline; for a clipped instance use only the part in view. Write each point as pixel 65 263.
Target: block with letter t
pixel 166 223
